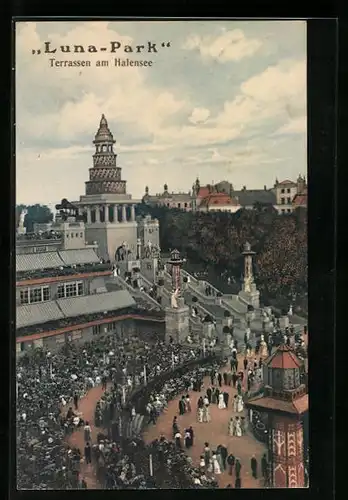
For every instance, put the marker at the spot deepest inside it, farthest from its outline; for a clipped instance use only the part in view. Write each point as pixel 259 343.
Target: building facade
pixel 182 201
pixel 287 191
pixel 65 293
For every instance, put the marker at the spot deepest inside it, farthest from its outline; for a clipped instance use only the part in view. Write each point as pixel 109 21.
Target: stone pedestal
pixel 284 322
pixel 251 298
pixel 177 323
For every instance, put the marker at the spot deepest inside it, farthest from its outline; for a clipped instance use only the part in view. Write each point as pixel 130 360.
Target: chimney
pixel 244 188
pixel 265 188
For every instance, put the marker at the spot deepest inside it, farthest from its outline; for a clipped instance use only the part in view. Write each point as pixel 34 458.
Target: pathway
pixel 214 432
pixel 76 439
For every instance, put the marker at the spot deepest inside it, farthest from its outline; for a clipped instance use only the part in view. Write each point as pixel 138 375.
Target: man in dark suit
pixel 209 394
pixel 212 376
pixel 224 454
pixel 226 397
pixel 220 379
pixel 225 378
pixel 217 393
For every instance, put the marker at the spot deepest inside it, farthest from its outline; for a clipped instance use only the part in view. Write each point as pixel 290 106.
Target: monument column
pixel 133 213
pixel 89 215
pixel 97 213
pixel 115 213
pixel 106 213
pixel 124 213
pixel 177 314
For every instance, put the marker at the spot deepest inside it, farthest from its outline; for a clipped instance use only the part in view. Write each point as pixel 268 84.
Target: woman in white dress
pixel 216 466
pixel 235 404
pixel 200 415
pixel 231 427
pixel 221 404
pixel 206 413
pixel 238 428
pixel 240 404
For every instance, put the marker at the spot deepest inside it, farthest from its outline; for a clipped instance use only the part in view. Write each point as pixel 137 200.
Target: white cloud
pixel 267 95
pixel 294 126
pixel 199 115
pixel 229 46
pixel 169 132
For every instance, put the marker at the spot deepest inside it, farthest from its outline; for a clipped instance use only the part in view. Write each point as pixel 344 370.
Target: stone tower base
pixel 177 324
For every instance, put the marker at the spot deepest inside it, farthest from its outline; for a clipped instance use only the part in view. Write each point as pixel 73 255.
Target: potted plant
pixel 185 279
pixel 226 330
pixel 227 314
pixel 161 282
pixel 194 299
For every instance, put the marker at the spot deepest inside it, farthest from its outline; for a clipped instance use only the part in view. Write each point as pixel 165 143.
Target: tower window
pixel 288 200
pixel 179 205
pixel 185 205
pixel 77 235
pixel 72 235
pixel 282 201
pixel 282 191
pixel 288 190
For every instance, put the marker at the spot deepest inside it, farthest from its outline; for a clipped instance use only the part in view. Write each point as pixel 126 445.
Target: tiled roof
pixel 79 256
pixel 37 261
pixel 76 306
pixel 218 199
pixel 300 200
pixel 250 197
pixel 284 358
pixel 203 192
pixel 37 313
pixel 295 407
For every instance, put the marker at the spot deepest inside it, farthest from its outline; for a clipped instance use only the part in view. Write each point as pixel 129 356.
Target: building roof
pixel 295 407
pixel 203 192
pixel 37 261
pixel 79 256
pixel 100 302
pixel 218 199
pixel 300 200
pixel 37 313
pixel 286 182
pixel 249 197
pixel 284 357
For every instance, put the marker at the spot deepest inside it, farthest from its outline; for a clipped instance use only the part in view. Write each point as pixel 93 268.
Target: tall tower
pixel 109 210
pixel 105 176
pixel 285 402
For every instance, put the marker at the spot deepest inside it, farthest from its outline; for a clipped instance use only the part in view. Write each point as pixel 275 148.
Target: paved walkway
pixel 87 407
pixel 214 432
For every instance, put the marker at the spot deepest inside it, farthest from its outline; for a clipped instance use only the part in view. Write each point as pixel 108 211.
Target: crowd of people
pixel 49 387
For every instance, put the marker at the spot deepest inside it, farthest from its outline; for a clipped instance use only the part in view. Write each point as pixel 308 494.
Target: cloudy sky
pixel 226 101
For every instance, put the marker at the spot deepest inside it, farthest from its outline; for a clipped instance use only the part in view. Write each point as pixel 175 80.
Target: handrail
pixel 137 292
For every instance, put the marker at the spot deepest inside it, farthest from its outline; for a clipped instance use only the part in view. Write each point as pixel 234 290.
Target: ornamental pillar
pixel 97 213
pixel 124 213
pixel 115 213
pixel 106 213
pixel 133 213
pixel 89 215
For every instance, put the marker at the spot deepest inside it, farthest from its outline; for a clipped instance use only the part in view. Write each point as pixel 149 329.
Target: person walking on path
pixel 238 467
pixel 76 400
pixel 264 466
pixel 220 379
pixel 87 432
pixel 253 463
pixel 230 463
pixel 238 483
pixel 88 456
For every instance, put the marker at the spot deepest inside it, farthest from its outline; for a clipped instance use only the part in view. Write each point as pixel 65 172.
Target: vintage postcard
pixel 161 255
